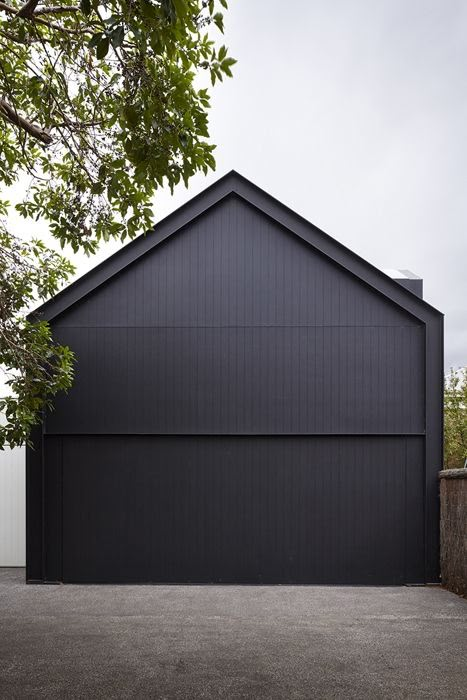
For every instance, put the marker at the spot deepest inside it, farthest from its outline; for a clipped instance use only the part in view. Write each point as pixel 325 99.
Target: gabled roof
pixel 236 184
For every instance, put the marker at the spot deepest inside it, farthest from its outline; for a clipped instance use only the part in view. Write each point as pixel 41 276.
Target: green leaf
pixel 117 36
pixel 131 115
pixel 95 39
pixel 180 8
pixel 218 19
pixel 85 6
pixel 102 47
pixel 225 66
pixel 222 53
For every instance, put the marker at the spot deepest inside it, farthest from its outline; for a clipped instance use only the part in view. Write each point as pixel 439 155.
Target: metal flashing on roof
pixel 408 280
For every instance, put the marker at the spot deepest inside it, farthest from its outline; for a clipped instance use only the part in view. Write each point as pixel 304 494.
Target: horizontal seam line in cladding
pixel 123 434
pixel 261 325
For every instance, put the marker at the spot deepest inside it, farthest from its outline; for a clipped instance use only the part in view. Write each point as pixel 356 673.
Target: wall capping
pixel 453 474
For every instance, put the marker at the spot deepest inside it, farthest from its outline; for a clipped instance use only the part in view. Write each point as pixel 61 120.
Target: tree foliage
pixel 101 104
pixel 455 419
pixel 37 368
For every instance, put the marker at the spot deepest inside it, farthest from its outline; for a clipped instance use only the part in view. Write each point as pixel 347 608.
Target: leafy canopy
pixel 102 108
pixel 455 419
pixel 101 104
pixel 37 367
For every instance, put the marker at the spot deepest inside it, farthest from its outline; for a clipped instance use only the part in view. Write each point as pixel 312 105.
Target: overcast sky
pixel 355 115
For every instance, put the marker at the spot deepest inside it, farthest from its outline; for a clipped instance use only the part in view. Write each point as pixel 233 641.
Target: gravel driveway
pixel 230 641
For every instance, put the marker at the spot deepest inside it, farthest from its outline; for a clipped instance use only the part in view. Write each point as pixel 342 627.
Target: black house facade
pixel 253 403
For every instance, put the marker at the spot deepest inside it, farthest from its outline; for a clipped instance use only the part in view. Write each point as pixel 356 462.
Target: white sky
pixel 355 115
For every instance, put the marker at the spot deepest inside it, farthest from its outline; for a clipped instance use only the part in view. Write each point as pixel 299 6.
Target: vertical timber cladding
pixel 245 509
pixel 245 410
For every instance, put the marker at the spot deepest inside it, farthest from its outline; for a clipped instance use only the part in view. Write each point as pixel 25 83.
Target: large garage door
pixel 240 509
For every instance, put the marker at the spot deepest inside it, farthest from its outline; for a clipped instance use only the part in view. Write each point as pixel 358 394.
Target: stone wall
pixel 453 494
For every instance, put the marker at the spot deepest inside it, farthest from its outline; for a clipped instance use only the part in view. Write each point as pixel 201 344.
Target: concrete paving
pixel 230 641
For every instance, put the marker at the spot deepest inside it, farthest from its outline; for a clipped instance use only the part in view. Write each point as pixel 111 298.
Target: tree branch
pixel 7 8
pixel 11 37
pixel 10 114
pixel 38 20
pixel 56 10
pixel 27 10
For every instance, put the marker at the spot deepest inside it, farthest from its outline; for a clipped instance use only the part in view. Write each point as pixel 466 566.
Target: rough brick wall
pixel 453 494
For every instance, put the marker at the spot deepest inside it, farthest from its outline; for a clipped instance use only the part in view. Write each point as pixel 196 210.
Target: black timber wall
pixel 235 509
pixel 236 327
